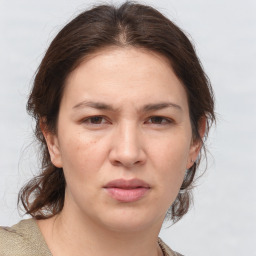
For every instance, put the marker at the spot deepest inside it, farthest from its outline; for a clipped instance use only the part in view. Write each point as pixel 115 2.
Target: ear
pixel 196 144
pixel 52 144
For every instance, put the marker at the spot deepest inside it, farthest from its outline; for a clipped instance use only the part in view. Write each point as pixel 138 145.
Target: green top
pixel 26 239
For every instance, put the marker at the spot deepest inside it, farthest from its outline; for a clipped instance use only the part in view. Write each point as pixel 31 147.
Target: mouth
pixel 127 190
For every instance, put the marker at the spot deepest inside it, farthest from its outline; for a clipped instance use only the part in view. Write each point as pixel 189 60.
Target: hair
pixel 129 25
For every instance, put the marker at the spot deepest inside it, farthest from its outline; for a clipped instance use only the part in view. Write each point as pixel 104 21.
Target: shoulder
pixel 166 249
pixel 22 239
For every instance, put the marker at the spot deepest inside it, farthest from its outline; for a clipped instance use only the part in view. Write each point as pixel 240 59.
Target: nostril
pixel 116 163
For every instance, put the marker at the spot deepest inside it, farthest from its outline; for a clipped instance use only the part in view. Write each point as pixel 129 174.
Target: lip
pixel 127 190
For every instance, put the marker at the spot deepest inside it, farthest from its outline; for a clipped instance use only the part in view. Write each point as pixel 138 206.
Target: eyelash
pixel 165 119
pixel 88 119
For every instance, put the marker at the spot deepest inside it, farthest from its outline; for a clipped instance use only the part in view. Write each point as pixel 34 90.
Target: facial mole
pixel 93 142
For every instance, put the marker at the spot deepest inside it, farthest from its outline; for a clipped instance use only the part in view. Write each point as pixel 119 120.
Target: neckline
pixel 39 236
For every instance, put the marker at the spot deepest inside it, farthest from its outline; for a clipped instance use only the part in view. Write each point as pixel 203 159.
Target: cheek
pixel 169 158
pixel 81 156
pixel 172 151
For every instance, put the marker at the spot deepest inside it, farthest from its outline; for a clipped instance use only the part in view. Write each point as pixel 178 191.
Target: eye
pixel 159 120
pixel 95 120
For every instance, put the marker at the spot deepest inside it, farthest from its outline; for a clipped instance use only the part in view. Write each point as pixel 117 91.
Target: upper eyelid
pixel 163 117
pixel 83 120
pixel 169 119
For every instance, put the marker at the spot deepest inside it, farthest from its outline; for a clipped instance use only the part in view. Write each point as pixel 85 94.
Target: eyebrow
pixel 145 108
pixel 96 105
pixel 158 106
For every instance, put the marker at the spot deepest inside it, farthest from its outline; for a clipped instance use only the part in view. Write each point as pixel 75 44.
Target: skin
pixel 96 145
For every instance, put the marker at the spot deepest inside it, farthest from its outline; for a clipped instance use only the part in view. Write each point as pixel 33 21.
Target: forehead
pixel 118 74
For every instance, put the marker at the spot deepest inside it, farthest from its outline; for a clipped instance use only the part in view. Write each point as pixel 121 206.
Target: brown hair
pixel 131 24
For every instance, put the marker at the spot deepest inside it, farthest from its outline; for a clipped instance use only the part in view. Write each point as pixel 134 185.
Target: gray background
pixel 222 221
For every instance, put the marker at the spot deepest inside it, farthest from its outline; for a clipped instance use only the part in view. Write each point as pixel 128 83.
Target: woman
pixel 122 108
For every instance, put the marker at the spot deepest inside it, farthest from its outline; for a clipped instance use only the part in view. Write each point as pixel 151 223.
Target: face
pixel 124 139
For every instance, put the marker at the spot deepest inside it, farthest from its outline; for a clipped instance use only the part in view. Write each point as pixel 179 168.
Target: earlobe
pixel 197 144
pixel 52 144
pixel 194 152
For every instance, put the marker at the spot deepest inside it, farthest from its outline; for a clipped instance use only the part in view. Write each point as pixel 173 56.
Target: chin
pixel 131 220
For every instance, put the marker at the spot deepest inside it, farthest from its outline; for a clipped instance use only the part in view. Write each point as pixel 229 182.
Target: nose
pixel 127 147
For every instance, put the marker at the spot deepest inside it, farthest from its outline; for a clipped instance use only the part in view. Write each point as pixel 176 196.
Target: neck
pixel 66 235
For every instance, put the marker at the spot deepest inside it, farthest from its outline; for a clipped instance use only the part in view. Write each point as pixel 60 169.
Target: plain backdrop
pixel 223 218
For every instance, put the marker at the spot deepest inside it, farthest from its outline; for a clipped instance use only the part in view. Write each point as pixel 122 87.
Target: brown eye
pixel 96 119
pixel 159 120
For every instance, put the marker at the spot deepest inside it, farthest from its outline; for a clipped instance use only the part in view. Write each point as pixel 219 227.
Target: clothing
pixel 26 239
